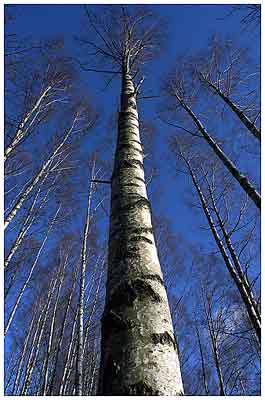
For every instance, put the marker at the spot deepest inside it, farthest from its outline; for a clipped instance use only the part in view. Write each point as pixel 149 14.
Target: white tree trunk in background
pixel 241 179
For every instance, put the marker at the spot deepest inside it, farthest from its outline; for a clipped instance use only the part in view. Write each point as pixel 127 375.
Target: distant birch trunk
pixel 70 354
pixel 42 171
pixel 22 290
pixel 205 384
pixel 30 218
pixel 22 361
pixel 248 295
pixel 26 123
pixel 37 340
pixel 252 128
pixel 80 347
pixel 241 179
pixel 46 368
pixel 208 312
pixel 230 267
pixel 61 336
pixel 139 355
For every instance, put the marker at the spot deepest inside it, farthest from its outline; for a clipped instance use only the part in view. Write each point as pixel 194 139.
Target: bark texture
pixel 139 355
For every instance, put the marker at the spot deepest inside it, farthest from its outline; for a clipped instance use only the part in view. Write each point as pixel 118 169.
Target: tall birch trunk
pixel 241 179
pixel 139 355
pixel 80 346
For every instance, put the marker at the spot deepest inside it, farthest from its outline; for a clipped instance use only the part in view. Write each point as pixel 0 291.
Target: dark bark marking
pixel 131 230
pixel 132 252
pixel 132 184
pixel 130 140
pixel 126 125
pixel 115 175
pixel 163 338
pixel 123 115
pixel 131 163
pixel 140 203
pixel 127 292
pixel 125 164
pixel 154 277
pixel 124 295
pixel 145 290
pixel 140 389
pixel 129 147
pixel 114 323
pixel 141 238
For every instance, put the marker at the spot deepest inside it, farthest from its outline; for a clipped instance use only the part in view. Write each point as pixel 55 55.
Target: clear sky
pixel 189 28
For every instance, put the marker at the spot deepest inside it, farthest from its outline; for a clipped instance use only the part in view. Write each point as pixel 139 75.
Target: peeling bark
pixel 139 354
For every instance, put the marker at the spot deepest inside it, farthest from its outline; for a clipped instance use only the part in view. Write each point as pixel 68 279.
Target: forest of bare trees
pixel 132 206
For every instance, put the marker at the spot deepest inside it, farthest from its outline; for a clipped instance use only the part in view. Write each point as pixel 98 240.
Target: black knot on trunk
pixel 163 338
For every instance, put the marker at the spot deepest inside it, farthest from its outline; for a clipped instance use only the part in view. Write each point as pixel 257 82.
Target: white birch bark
pixel 38 176
pixel 37 340
pixel 23 353
pixel 68 358
pixel 52 326
pixel 241 179
pixel 80 346
pixel 248 295
pixel 26 123
pixel 230 267
pixel 70 353
pixel 92 311
pixel 139 355
pixel 30 218
pixel 61 336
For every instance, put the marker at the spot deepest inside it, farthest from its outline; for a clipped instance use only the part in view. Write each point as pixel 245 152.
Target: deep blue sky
pixel 189 28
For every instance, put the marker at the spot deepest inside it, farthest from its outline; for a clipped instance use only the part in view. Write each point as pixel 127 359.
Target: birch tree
pixel 235 270
pixel 227 74
pixel 84 255
pixel 53 90
pixel 138 346
pixel 74 129
pixel 178 89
